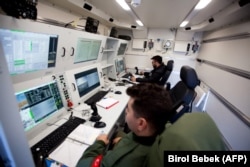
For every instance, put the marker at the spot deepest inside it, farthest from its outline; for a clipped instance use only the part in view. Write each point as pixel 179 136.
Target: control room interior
pixel 56 55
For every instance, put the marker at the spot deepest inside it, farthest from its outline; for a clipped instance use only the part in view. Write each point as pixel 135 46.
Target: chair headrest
pixel 170 65
pixel 189 77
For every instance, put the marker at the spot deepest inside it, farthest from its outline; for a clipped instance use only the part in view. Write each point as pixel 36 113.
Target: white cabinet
pixel 109 53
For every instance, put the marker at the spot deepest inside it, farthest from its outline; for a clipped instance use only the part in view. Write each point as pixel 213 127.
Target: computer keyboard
pixel 96 97
pixel 44 147
pixel 127 75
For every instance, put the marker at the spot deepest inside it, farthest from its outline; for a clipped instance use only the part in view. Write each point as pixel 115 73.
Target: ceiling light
pixel 139 22
pixel 123 4
pixel 135 3
pixel 202 4
pixel 184 23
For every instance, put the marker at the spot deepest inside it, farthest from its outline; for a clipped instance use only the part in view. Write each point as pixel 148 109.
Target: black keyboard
pixel 96 97
pixel 127 75
pixel 44 147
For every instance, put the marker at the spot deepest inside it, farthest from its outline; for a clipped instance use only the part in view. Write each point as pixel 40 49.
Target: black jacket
pixel 154 76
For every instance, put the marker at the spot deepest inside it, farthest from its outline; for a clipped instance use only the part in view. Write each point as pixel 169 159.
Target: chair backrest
pixel 192 132
pixel 168 70
pixel 183 92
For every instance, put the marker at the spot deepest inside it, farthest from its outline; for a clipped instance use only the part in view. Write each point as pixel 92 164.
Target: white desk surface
pixel 109 116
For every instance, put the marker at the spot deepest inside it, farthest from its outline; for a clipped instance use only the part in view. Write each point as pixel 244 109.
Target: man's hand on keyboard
pixel 133 79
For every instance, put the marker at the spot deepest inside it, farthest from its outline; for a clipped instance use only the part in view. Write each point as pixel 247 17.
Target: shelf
pixel 108 50
pixel 107 65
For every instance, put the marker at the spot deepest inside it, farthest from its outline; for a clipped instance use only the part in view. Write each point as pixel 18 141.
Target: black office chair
pixel 169 68
pixel 183 93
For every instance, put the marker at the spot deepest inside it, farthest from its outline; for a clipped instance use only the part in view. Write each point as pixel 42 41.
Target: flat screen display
pixel 122 49
pixel 87 81
pixel 28 51
pixel 120 66
pixel 38 103
pixel 87 50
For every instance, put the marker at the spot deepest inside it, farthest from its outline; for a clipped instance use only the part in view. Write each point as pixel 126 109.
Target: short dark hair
pixel 157 58
pixel 153 103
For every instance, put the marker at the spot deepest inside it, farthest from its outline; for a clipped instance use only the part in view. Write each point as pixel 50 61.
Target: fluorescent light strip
pixel 184 23
pixel 139 22
pixel 123 4
pixel 202 4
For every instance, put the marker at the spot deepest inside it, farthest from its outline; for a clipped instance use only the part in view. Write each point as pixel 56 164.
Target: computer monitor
pixel 39 103
pixel 86 81
pixel 122 49
pixel 87 50
pixel 28 51
pixel 120 66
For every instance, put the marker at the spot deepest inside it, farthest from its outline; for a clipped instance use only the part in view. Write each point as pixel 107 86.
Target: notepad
pixel 70 151
pixel 84 134
pixel 107 102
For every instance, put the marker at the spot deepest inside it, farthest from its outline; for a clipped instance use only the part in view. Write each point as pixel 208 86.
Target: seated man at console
pixel 147 112
pixel 155 75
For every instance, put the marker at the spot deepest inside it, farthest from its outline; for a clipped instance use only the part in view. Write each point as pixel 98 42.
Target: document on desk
pixel 84 134
pixel 70 151
pixel 107 102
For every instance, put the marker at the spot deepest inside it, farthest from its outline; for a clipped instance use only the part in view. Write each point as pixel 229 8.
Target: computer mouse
pixel 99 124
pixel 118 92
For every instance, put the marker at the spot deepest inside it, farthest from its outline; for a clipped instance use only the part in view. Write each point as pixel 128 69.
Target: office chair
pixel 183 93
pixel 169 68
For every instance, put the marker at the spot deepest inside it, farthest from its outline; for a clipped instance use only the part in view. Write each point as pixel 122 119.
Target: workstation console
pixel 42 108
pixel 55 87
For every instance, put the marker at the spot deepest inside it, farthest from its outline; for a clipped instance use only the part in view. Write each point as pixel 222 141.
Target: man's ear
pixel 142 124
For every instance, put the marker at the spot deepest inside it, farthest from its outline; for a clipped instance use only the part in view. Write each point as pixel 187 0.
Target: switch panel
pixel 63 86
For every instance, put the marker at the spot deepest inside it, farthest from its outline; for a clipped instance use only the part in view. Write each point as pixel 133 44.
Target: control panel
pixel 63 86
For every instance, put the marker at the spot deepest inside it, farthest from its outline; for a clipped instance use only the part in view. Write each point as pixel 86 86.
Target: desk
pixel 109 116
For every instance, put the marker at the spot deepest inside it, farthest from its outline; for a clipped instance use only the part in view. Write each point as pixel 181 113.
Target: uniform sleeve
pixel 155 77
pixel 90 153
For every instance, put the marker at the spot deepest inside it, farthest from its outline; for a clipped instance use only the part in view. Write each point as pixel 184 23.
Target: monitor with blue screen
pixel 38 103
pixel 28 51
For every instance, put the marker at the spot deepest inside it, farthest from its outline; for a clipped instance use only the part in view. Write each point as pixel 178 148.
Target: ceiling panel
pixel 160 13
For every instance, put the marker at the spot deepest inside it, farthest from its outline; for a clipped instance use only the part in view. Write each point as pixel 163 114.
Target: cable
pixel 74 22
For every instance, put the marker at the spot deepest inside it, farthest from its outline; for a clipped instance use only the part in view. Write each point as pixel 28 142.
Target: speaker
pixel 125 37
pixel 211 20
pixel 91 25
pixel 113 32
pixel 87 6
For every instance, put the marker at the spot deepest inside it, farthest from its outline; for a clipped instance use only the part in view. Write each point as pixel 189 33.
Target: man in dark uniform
pixel 155 75
pixel 148 110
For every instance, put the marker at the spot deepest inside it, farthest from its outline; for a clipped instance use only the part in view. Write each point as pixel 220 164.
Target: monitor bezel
pixel 84 74
pixel 48 54
pixel 36 132
pixel 76 99
pixel 116 66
